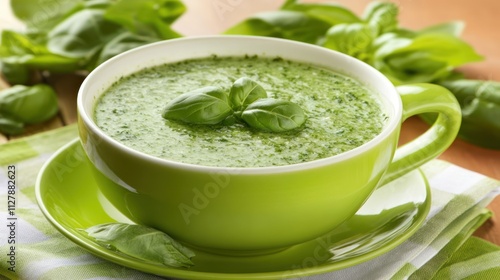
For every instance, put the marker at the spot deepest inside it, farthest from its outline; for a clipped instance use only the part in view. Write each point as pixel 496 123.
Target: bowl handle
pixel 425 98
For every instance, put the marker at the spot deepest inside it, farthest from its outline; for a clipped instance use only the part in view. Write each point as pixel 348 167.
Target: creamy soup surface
pixel 341 113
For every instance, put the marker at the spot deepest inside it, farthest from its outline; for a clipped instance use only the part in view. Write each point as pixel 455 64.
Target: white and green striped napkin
pixel 442 248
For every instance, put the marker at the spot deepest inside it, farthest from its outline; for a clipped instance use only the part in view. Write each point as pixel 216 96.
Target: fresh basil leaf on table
pixel 273 115
pixel 381 17
pixel 208 105
pixel 330 13
pixel 147 17
pixel 142 242
pixel 73 35
pixel 480 103
pixel 28 105
pixel 82 35
pixel 291 25
pixel 425 58
pixel 354 39
pixel 41 15
pixel 15 73
pixel 122 43
pixel 21 105
pixel 245 91
pixel 19 51
pixel 10 127
pixel 454 28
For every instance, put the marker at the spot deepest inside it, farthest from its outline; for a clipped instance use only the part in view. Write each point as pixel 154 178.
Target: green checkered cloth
pixel 442 248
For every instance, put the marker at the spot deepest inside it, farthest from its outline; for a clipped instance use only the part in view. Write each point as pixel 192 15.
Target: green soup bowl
pixel 244 211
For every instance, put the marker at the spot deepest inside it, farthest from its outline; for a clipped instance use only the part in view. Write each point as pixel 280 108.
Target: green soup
pixel 341 113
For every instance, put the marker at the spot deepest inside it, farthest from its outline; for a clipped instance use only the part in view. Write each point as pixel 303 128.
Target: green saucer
pixel 70 199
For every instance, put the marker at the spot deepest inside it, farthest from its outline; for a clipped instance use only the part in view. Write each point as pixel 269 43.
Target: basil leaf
pixel 330 13
pixel 381 17
pixel 143 243
pixel 273 115
pixel 29 105
pixel 288 4
pixel 98 4
pixel 282 24
pixel 208 105
pixel 82 34
pixel 10 127
pixel 15 73
pixel 121 43
pixel 480 103
pixel 454 28
pixel 245 91
pixel 147 17
pixel 14 43
pixel 41 15
pixel 20 51
pixel 353 39
pixel 424 58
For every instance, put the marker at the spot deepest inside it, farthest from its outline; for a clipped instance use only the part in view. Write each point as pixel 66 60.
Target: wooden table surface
pixel 214 16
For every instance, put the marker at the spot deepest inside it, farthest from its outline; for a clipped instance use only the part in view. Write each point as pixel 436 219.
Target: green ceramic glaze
pixel 418 99
pixel 71 201
pixel 253 211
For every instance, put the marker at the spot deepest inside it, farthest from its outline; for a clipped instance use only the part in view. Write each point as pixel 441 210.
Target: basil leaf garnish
pixel 246 102
pixel 245 91
pixel 142 242
pixel 273 115
pixel 208 105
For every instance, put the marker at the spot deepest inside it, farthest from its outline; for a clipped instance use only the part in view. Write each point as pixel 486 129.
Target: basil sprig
pixel 246 102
